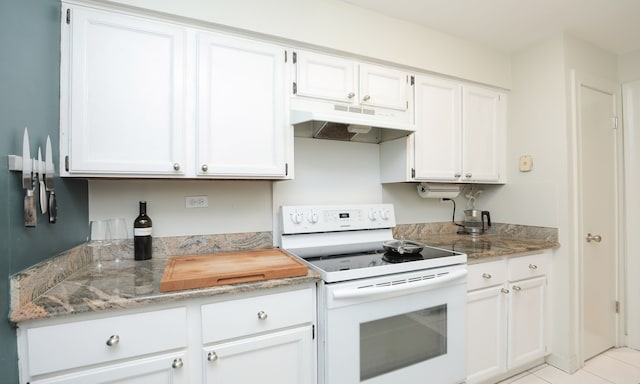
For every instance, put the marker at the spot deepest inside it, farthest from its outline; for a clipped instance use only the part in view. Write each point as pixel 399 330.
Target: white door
pixel 384 87
pixel 437 140
pixel 326 77
pixel 481 121
pixel 281 357
pixel 241 130
pixel 597 150
pixel 126 94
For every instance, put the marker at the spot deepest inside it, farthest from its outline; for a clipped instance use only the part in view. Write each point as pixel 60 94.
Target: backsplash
pixel 423 230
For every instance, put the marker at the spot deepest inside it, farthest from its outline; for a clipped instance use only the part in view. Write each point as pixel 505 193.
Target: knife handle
pixel 30 218
pixel 53 207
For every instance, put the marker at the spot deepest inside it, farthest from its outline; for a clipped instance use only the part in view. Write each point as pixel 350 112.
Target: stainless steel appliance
pixel 383 317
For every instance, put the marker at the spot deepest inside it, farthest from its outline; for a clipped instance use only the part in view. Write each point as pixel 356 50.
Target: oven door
pixel 401 328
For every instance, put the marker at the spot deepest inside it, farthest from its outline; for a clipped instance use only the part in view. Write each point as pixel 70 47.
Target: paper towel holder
pixel 438 190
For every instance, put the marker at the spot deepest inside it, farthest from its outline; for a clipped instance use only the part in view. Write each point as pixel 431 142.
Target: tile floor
pixel 615 366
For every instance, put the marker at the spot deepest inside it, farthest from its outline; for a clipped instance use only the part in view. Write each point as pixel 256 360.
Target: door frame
pixel 579 79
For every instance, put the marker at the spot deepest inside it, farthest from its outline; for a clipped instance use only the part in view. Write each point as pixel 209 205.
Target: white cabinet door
pixel 486 334
pixel 123 111
pixel 438 133
pixel 384 87
pixel 166 369
pixel 283 357
pixel 326 77
pixel 483 120
pixel 241 127
pixel 527 313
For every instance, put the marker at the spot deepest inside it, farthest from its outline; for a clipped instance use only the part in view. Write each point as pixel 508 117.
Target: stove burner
pixel 394 257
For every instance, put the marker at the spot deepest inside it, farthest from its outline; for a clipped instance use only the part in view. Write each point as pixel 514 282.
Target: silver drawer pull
pixel 516 288
pixel 533 267
pixel 486 275
pixel 351 95
pixel 504 290
pixel 177 363
pixel 176 166
pixel 212 356
pixel 262 315
pixel 113 340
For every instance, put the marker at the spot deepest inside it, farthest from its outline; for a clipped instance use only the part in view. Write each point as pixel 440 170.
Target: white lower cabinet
pixel 233 338
pixel 506 316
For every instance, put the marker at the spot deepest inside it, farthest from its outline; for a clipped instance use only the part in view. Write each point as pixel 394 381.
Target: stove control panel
pixel 332 218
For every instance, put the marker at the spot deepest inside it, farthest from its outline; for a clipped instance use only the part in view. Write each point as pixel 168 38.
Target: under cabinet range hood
pixel 346 123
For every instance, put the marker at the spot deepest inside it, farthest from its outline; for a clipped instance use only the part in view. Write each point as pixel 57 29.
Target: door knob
pixel 594 238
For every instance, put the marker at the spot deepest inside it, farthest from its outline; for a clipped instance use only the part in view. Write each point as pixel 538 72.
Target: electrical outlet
pixel 526 163
pixel 196 201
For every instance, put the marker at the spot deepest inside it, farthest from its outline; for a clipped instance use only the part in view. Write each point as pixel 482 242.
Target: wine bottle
pixel 142 231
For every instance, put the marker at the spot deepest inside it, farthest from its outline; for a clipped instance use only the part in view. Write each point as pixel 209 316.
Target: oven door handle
pixel 353 293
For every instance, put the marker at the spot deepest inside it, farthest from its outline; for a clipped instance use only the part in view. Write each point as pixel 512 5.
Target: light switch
pixel 526 163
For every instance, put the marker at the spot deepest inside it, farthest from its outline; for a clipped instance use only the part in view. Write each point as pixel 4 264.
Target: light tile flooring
pixel 615 366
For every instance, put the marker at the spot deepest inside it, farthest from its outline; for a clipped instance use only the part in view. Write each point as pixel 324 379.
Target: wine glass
pixel 119 234
pixel 99 237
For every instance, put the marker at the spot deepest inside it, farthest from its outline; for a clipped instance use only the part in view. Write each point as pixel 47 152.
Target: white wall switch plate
pixel 526 163
pixel 196 201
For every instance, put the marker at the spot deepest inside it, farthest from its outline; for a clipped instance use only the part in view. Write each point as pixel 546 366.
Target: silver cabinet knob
pixel 468 175
pixel 113 340
pixel 457 175
pixel 177 363
pixel 205 167
pixel 516 288
pixel 533 267
pixel 176 166
pixel 351 95
pixel 504 290
pixel 366 98
pixel 212 356
pixel 487 275
pixel 262 315
pixel 594 238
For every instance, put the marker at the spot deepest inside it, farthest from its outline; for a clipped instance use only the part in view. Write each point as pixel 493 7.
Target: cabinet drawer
pixel 525 267
pixel 86 342
pixel 243 317
pixel 485 275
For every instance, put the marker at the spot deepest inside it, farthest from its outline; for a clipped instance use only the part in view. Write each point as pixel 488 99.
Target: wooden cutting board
pixel 208 270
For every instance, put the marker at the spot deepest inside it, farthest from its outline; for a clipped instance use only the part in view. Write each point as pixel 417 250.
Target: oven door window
pixel 397 342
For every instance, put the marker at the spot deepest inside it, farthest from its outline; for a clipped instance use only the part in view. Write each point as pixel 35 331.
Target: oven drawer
pixel 237 318
pixel 483 275
pixel 526 267
pixel 103 340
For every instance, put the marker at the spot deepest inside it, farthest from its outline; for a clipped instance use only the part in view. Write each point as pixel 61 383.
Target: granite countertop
pixel 70 284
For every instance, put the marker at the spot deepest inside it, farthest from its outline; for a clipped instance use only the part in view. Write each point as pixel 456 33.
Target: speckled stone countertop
pixel 498 241
pixel 70 283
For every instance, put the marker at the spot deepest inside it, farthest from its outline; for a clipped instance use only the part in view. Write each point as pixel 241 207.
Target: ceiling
pixel 513 25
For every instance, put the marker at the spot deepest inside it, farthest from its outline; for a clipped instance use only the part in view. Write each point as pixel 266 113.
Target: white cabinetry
pixel 506 316
pixel 273 335
pixel 241 108
pixel 130 348
pixel 141 97
pixel 123 94
pixel 460 136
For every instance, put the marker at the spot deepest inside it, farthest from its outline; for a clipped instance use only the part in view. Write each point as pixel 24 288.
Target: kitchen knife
pixel 30 218
pixel 49 172
pixel 42 192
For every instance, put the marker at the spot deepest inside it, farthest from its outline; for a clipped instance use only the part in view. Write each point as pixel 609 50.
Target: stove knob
pixel 296 217
pixel 384 214
pixel 313 217
pixel 373 215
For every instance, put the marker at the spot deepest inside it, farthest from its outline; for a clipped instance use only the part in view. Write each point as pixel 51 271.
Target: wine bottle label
pixel 142 231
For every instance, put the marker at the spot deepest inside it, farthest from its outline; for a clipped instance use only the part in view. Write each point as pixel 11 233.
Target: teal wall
pixel 29 96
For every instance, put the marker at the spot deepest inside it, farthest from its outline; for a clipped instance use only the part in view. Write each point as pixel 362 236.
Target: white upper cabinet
pixel 483 141
pixel 146 98
pixel 123 93
pixel 348 81
pixel 460 136
pixel 241 127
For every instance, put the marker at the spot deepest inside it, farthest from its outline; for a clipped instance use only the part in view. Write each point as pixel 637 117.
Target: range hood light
pixel 352 128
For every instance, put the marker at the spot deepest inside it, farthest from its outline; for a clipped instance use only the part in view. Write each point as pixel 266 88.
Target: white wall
pixel 344 27
pixel 629 67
